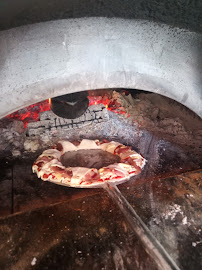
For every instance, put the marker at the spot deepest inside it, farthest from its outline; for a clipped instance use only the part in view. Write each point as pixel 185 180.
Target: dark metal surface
pixel 70 106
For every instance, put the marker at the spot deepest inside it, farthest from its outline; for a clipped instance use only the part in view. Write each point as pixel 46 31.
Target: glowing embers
pixel 112 100
pixel 30 113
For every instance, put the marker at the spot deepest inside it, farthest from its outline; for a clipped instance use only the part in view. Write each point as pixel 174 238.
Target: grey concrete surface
pixel 49 59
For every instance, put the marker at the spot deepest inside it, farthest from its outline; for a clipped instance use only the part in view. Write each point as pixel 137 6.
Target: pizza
pixel 49 167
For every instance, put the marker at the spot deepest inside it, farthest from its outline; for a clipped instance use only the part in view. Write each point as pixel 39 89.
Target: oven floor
pixel 45 226
pixel 21 190
pixel 85 233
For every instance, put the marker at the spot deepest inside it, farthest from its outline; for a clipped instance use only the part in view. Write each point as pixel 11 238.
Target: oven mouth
pixel 93 158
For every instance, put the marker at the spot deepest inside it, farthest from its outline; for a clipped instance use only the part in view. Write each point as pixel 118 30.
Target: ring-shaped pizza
pixel 49 167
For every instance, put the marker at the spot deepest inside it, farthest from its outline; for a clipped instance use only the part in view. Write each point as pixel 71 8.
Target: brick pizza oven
pixel 128 72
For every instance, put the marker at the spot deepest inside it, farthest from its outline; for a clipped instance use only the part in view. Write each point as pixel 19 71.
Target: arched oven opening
pixel 164 131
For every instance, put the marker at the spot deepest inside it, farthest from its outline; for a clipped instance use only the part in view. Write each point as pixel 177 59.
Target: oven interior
pixel 65 228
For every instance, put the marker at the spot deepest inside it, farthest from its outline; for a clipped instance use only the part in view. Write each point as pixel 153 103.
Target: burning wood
pixel 50 121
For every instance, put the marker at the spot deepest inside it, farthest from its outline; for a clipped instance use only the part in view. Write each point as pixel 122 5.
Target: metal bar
pixel 151 244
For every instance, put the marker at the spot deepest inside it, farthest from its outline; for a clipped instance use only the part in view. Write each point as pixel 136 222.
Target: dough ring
pixel 49 167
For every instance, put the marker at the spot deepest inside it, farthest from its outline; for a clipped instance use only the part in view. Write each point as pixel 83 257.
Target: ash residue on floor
pixel 170 120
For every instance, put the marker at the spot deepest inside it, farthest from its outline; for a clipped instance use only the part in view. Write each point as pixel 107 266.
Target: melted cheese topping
pixel 117 167
pixel 78 174
pixel 139 160
pixel 67 147
pixel 51 152
pixel 88 144
pixel 126 154
pixel 110 147
pixel 46 168
pixel 127 167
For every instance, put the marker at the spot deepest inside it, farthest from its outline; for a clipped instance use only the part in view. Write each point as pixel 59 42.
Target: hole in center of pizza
pixel 91 158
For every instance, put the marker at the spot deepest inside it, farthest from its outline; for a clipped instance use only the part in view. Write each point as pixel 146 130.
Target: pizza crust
pixel 48 166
